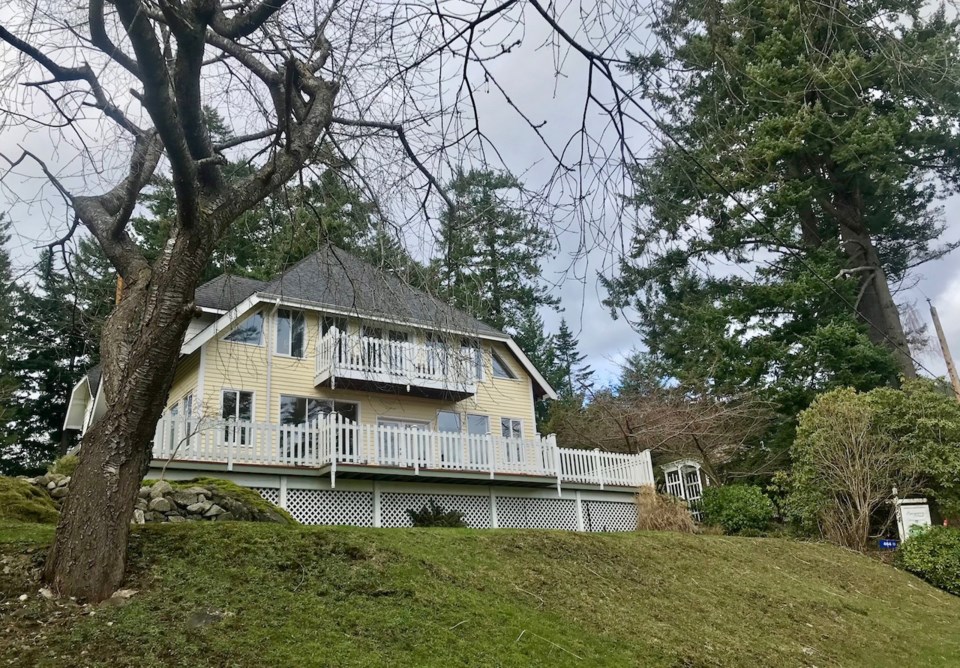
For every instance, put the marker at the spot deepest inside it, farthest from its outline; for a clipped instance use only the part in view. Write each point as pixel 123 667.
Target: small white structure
pixel 685 480
pixel 911 513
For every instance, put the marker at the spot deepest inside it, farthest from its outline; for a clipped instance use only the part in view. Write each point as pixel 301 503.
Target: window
pixel 250 331
pixel 328 322
pixel 304 410
pixel 500 368
pixel 511 428
pixel 291 333
pixel 478 425
pixel 472 351
pixel 448 421
pixel 237 407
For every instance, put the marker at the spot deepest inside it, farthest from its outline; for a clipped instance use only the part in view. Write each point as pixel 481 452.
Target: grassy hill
pixel 237 594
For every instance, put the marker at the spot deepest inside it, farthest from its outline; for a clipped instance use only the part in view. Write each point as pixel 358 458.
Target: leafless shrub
pixel 661 512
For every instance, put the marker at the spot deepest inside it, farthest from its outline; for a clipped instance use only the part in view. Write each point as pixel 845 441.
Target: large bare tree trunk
pixel 141 345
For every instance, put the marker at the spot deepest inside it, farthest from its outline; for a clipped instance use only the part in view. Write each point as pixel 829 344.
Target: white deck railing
pixel 335 440
pixel 352 355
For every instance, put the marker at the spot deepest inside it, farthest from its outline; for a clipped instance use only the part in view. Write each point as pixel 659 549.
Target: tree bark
pixel 141 345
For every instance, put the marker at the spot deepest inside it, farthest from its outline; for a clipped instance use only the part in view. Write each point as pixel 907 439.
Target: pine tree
pixel 491 251
pixel 538 346
pixel 571 376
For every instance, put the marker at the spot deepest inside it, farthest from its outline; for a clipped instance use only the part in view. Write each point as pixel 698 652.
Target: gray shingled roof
pixel 334 278
pixel 225 291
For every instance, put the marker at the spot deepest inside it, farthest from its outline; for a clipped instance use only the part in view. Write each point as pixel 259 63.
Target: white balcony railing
pixel 434 365
pixel 335 440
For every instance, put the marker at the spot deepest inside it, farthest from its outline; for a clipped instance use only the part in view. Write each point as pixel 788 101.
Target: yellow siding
pixel 240 366
pixel 185 378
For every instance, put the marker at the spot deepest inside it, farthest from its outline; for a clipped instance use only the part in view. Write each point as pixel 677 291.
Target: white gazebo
pixel 685 480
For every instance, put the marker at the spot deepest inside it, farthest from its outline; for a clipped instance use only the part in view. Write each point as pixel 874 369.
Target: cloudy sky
pixel 588 241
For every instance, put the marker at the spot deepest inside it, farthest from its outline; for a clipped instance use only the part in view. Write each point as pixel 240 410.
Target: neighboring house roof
pixel 225 291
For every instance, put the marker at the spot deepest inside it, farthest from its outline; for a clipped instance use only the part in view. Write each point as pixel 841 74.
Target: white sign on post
pixel 912 513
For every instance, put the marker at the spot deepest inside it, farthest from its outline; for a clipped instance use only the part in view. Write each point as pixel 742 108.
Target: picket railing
pixel 336 440
pixel 352 355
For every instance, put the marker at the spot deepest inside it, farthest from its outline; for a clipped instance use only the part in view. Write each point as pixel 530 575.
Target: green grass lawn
pixel 295 596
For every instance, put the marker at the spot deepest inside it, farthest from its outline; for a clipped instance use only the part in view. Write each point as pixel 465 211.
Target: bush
pixel 737 508
pixel 933 555
pixel 662 512
pixel 66 465
pixel 433 515
pixel 22 502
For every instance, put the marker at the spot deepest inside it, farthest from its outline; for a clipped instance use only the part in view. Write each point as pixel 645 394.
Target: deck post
pixel 597 468
pixel 377 519
pixel 494 519
pixel 557 464
pixel 336 450
pixel 230 450
pixel 282 497
pixel 579 504
pixel 492 455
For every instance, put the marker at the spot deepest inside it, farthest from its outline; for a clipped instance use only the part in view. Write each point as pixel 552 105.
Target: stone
pixel 141 504
pixel 138 516
pixel 202 618
pixel 59 492
pixel 199 508
pixel 52 484
pixel 144 492
pixel 225 517
pixel 184 498
pixel 160 504
pixel 46 593
pixel 214 510
pixel 160 488
pixel 63 482
pixel 199 491
pixel 176 518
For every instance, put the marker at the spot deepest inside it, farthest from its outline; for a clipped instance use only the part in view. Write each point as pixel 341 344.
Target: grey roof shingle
pixel 226 291
pixel 334 278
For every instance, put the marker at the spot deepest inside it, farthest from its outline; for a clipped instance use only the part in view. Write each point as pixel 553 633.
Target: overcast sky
pixel 527 76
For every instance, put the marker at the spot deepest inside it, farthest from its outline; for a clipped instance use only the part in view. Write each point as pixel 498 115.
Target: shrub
pixel 22 502
pixel 66 465
pixel 433 515
pixel 662 512
pixel 934 555
pixel 737 508
pixel 845 462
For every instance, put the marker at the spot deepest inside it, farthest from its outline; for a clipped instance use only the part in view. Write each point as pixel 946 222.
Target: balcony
pixel 354 361
pixel 336 446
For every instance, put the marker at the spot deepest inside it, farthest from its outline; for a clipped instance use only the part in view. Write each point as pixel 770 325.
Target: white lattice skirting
pixel 483 509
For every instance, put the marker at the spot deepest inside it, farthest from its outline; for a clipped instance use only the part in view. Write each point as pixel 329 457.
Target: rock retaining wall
pixel 162 502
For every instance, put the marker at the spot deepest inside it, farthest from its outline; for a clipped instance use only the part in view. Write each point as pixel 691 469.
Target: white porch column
pixel 282 500
pixel 579 504
pixel 377 519
pixel 494 520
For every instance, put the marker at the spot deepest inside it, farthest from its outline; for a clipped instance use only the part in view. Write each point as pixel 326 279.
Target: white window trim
pixel 404 420
pixel 263 326
pixel 459 414
pixel 493 371
pixel 512 420
pixel 276 335
pixel 253 403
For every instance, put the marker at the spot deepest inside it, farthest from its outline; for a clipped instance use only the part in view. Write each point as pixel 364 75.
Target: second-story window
pixel 500 368
pixel 250 331
pixel 291 333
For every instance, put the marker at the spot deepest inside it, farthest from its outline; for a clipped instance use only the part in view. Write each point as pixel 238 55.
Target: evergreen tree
pixel 8 382
pixel 48 354
pixel 835 125
pixel 570 376
pixel 491 251
pixel 538 346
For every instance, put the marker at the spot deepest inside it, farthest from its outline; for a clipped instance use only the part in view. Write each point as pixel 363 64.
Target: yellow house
pixel 348 397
